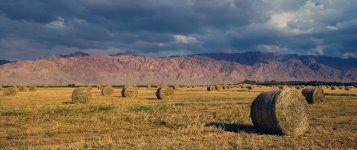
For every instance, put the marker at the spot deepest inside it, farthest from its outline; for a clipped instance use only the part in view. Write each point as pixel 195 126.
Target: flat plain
pixel 194 119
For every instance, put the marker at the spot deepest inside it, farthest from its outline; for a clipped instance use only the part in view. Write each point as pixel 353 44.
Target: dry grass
pixel 195 119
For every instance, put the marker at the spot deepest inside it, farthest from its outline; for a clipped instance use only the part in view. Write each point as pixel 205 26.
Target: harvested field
pixel 194 119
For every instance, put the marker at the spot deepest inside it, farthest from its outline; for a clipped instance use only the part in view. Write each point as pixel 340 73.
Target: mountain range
pixel 210 68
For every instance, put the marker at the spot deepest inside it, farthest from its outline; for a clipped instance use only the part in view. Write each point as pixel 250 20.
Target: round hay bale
pixel 347 88
pixel 23 89
pixel 313 95
pixel 165 93
pixel 45 86
pixel 33 88
pixel 249 87
pixel 340 87
pixel 10 91
pixel 333 88
pixel 129 91
pixel 107 91
pixel 211 88
pixel 280 112
pixel 81 95
pixel 219 87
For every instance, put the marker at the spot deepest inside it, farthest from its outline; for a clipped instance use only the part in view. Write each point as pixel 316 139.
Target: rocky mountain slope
pixel 81 68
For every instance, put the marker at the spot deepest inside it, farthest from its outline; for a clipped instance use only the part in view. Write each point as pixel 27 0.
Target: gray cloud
pixel 160 27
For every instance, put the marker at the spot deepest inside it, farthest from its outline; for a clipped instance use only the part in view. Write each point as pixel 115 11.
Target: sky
pixel 36 28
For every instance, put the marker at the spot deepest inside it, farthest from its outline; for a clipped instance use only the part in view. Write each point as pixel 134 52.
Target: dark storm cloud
pixel 161 27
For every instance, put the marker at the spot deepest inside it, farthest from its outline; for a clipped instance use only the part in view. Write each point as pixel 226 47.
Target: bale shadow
pixel 235 127
pixel 67 103
pixel 152 99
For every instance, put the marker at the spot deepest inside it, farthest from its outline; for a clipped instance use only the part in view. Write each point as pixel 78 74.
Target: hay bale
pixel 23 89
pixel 165 93
pixel 211 88
pixel 16 88
pixel 280 112
pixel 129 91
pixel 249 87
pixel 347 88
pixel 33 88
pixel 10 91
pixel 313 95
pixel 340 87
pixel 219 87
pixel 1 88
pixel 81 95
pixel 333 88
pixel 46 86
pixel 107 91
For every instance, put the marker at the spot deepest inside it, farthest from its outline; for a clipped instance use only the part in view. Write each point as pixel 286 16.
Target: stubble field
pixel 194 119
